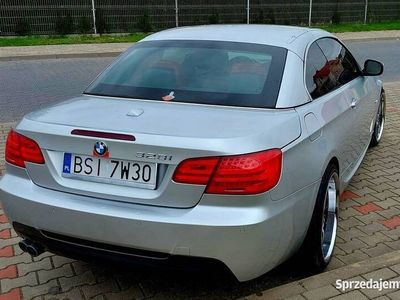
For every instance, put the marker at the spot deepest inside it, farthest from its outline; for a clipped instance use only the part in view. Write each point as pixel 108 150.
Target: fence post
pixel 248 12
pixel 94 17
pixel 176 14
pixel 310 14
pixel 366 12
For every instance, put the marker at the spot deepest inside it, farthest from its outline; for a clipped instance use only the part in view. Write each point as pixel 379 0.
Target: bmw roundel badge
pixel 100 148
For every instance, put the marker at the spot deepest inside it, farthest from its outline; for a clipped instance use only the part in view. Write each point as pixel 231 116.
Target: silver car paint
pixel 250 234
pixel 295 39
pixel 182 131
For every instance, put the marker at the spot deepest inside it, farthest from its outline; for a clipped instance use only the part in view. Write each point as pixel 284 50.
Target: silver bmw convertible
pixel 227 144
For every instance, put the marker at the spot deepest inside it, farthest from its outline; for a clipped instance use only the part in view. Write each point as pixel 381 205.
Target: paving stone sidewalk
pixel 113 49
pixel 368 246
pixel 330 285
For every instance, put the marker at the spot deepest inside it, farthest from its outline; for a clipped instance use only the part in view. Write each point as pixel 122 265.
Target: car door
pixel 330 104
pixel 346 72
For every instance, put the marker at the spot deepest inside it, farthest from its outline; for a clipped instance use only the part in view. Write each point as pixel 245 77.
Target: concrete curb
pixel 62 51
pixel 59 56
pixel 320 280
pixel 369 39
pixel 369 35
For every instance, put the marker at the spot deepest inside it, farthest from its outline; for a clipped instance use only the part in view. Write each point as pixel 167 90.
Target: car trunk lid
pixel 165 134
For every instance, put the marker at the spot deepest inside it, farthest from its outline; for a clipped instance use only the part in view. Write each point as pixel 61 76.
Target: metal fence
pixel 114 16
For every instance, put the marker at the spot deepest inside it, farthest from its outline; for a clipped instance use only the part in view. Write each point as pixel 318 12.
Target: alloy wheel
pixel 329 221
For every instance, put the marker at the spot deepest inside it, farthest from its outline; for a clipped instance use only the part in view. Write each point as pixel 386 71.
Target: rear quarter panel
pixel 325 126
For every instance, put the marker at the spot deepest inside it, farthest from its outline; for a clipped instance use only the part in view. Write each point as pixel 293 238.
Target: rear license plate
pixel 113 171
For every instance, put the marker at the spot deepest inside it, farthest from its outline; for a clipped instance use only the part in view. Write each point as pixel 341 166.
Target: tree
pixel 84 25
pixel 144 23
pixel 214 18
pixel 65 25
pixel 22 27
pixel 101 24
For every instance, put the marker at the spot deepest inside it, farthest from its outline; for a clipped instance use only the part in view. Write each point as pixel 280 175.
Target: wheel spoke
pixel 380 121
pixel 329 218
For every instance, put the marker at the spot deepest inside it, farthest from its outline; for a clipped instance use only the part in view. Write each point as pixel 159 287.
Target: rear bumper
pixel 250 235
pixel 113 255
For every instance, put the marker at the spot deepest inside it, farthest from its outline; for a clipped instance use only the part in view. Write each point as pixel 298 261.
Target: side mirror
pixel 372 68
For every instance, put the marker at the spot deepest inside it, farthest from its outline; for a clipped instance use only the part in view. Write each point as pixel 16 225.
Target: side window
pixel 342 65
pixel 317 72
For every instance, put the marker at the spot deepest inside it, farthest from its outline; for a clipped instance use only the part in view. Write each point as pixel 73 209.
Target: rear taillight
pixel 20 149
pixel 235 175
pixel 195 170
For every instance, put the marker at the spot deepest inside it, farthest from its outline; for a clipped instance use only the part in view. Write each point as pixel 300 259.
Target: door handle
pixel 354 102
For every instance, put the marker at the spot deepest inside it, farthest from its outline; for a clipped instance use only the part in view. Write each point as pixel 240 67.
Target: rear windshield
pixel 203 72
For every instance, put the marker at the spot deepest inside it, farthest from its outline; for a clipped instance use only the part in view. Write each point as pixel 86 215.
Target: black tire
pixel 314 253
pixel 380 121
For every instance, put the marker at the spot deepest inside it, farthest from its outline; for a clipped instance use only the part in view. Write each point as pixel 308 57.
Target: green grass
pixel 131 38
pixel 395 25
pixel 64 40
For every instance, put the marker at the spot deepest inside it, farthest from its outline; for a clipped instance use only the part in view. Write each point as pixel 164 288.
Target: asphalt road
pixel 387 52
pixel 28 85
